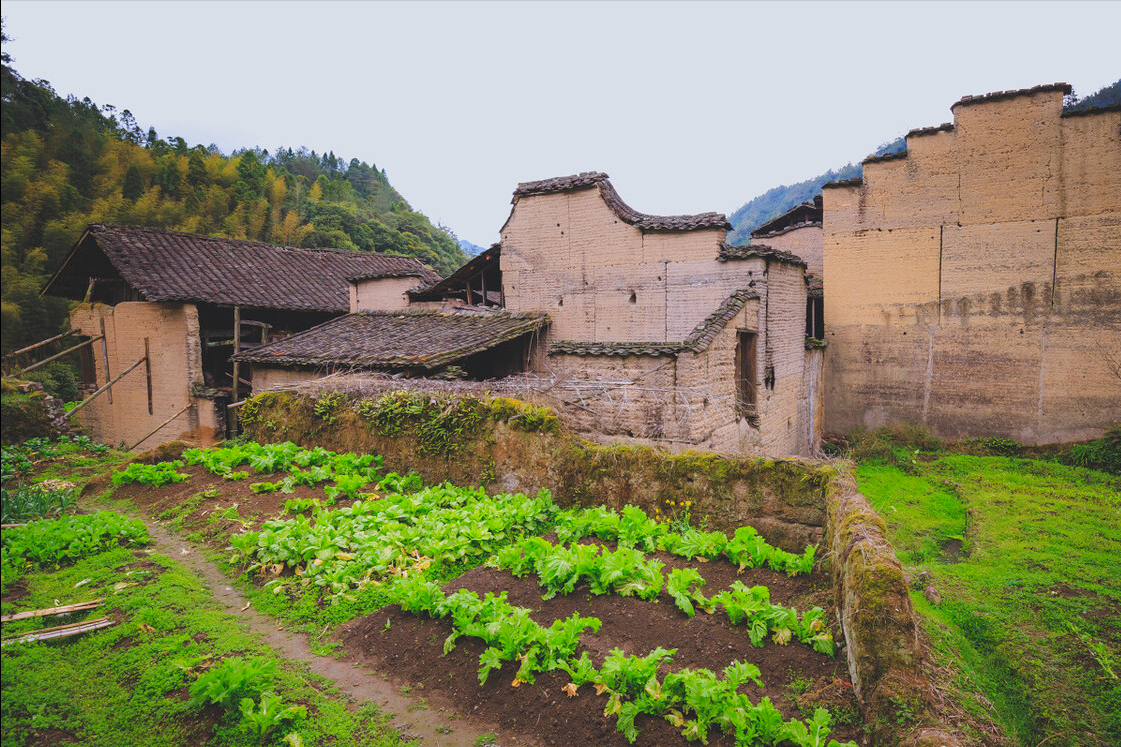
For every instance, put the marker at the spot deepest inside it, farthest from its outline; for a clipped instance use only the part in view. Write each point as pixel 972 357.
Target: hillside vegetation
pixel 776 201
pixel 66 163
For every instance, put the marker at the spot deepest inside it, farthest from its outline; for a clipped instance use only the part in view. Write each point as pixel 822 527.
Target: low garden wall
pixel 510 446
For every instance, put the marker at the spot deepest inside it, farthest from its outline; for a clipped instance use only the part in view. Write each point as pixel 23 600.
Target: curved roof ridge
pixel 625 213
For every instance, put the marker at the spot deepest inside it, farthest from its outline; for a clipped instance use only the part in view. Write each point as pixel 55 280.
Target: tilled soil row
pixel 412 649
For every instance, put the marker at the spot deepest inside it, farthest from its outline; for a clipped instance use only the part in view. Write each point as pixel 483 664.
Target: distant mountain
pixel 470 249
pixel 776 201
pixel 1108 96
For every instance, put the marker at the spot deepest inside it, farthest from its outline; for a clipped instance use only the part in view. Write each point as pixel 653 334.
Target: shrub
pixel 1103 454
pixel 881 444
pixel 59 380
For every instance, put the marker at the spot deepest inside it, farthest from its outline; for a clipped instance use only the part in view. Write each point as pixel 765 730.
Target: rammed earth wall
pixel 507 445
pixel 972 282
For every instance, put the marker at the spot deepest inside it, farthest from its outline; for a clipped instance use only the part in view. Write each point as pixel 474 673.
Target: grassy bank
pixel 1024 555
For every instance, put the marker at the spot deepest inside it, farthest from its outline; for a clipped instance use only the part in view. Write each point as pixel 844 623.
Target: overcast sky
pixel 688 106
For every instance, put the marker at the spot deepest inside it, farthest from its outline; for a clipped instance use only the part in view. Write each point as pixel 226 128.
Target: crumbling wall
pixel 172 332
pixel 972 283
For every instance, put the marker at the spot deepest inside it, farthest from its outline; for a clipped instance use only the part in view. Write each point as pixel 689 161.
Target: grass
pixel 127 685
pixel 1030 616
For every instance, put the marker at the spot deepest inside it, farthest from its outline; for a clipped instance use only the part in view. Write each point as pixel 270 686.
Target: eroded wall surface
pixel 973 284
pixel 121 415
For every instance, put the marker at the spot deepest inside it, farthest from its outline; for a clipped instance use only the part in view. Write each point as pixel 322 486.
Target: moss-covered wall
pixel 508 445
pixel 881 634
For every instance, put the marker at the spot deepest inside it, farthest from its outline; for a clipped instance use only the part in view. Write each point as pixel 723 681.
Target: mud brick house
pixel 660 330
pixel 974 279
pixel 180 304
pixel 651 326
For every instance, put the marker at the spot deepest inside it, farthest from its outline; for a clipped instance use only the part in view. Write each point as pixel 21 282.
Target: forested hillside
pixel 66 163
pixel 778 200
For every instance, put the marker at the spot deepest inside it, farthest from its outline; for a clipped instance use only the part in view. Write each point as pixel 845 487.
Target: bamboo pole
pixel 105 387
pixel 29 348
pixel 61 631
pixel 237 348
pixel 148 370
pixel 161 425
pixel 65 609
pixel 56 356
pixel 232 424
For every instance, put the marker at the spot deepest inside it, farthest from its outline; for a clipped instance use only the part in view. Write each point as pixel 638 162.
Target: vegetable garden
pixel 507 605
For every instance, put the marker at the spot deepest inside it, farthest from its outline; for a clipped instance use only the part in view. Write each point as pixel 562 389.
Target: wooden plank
pixel 104 388
pixel 56 356
pixel 62 631
pixel 64 609
pixel 29 348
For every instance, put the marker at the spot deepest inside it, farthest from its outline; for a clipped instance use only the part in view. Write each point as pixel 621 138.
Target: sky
pixel 689 107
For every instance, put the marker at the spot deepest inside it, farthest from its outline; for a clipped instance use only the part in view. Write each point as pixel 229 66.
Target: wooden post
pixel 29 348
pixel 105 356
pixel 56 356
pixel 152 432
pixel 148 370
pixel 104 388
pixel 237 349
pixel 483 282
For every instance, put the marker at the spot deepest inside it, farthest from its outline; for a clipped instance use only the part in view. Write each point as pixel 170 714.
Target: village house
pixel 166 310
pixel 648 326
pixel 972 286
pixel 974 279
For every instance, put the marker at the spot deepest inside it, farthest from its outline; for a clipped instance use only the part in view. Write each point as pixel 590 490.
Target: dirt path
pixel 411 715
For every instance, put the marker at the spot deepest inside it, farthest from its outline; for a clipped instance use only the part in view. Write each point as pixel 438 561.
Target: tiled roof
pixel 171 266
pixel 1065 88
pixel 756 234
pixel 396 339
pixel 697 341
pixel 758 250
pixel 856 181
pixel 469 269
pixel 944 127
pixel 799 216
pixel 886 157
pixel 625 213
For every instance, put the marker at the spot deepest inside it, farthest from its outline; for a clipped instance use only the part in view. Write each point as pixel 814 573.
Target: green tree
pixel 133 185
